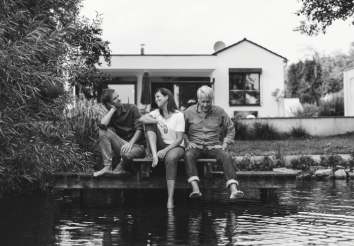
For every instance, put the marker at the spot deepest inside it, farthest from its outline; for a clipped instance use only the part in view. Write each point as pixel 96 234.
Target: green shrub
pixel 249 164
pixel 246 164
pixel 299 132
pixel 332 160
pixel 279 157
pixel 351 160
pixel 307 110
pixel 44 148
pixel 303 163
pixel 264 131
pixel 266 164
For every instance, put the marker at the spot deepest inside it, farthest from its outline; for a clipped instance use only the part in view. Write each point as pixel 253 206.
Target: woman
pixel 164 128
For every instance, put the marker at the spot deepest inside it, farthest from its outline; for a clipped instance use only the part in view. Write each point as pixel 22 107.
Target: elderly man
pixel 128 141
pixel 204 123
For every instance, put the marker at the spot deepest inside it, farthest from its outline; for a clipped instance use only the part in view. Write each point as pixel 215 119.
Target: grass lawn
pixel 340 144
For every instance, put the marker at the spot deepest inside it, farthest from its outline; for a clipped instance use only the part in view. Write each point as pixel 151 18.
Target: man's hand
pixel 161 154
pixel 110 106
pixel 223 147
pixel 126 148
pixel 191 145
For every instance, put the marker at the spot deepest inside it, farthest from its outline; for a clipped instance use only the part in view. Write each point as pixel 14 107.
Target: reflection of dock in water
pixel 257 185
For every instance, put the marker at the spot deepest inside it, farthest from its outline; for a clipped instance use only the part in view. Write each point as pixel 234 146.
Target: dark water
pixel 313 213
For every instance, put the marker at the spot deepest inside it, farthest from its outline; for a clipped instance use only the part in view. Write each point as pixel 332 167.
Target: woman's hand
pixel 161 153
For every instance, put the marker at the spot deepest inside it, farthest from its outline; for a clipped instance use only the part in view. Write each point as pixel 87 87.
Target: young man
pixel 128 142
pixel 204 123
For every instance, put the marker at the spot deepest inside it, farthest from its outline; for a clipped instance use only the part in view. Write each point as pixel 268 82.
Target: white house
pixel 348 82
pixel 243 76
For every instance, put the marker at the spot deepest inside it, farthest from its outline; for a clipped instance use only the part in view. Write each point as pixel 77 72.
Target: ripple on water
pixel 313 213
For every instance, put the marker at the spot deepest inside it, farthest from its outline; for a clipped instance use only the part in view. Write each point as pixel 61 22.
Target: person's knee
pixel 189 154
pixel 102 134
pixel 150 127
pixel 171 160
pixel 126 156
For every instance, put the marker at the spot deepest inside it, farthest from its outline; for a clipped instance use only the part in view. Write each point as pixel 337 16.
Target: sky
pixel 194 26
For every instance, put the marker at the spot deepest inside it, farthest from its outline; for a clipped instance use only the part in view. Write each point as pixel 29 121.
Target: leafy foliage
pixel 321 14
pixel 248 163
pixel 302 162
pixel 332 160
pixel 43 46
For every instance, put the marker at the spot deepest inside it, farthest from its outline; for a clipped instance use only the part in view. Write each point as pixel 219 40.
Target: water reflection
pixel 313 213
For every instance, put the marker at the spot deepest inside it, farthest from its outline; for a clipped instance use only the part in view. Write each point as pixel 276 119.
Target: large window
pixel 184 89
pixel 244 87
pixel 124 86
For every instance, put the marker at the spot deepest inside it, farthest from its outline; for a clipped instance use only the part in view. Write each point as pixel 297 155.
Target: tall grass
pixel 66 144
pixel 299 132
pixel 241 129
pixel 264 131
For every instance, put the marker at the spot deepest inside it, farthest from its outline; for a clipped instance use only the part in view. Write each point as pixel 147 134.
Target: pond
pixel 312 213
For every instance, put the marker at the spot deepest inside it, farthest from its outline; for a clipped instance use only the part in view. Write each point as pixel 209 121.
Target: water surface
pixel 312 213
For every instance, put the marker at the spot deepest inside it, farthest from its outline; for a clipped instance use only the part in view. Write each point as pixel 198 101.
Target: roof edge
pixel 245 39
pixel 162 55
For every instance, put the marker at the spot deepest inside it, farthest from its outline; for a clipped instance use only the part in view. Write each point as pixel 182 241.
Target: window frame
pixel 118 80
pixel 243 72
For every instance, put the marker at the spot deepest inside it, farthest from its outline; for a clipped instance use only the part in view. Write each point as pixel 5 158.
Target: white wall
pixel 242 55
pixel 348 82
pixel 291 105
pixel 248 55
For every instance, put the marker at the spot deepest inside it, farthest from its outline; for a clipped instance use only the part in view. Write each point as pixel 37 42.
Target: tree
pixel 322 13
pixel 42 44
pixel 311 82
pixel 294 76
pixel 304 80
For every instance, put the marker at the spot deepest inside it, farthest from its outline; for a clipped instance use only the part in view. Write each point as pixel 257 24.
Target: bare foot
pixel 106 169
pixel 236 194
pixel 119 169
pixel 170 203
pixel 155 160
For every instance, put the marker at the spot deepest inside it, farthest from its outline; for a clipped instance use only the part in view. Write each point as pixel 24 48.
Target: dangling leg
pixel 190 161
pixel 155 141
pixel 171 162
pixel 229 169
pixel 170 192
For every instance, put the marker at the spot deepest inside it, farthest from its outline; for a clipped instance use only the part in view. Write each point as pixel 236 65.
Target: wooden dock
pixel 255 184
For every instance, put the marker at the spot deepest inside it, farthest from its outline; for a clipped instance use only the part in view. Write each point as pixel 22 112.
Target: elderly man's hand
pixel 191 145
pixel 223 147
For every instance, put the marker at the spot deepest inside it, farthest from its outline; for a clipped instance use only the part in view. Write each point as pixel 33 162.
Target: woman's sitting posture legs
pixel 171 158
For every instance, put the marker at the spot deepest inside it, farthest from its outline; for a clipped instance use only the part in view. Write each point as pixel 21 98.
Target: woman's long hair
pixel 171 104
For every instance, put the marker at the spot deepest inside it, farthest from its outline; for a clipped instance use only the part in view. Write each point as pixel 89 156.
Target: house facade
pixel 243 76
